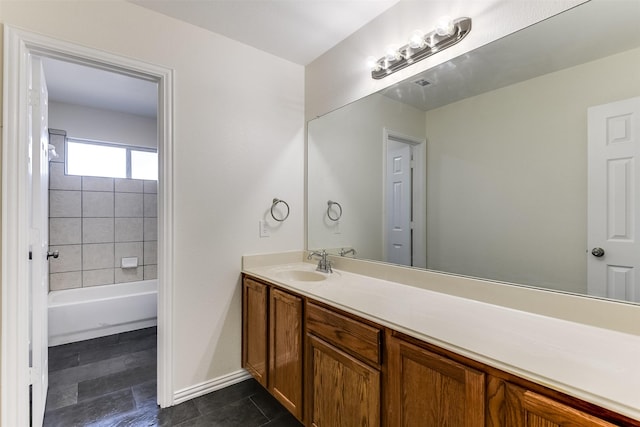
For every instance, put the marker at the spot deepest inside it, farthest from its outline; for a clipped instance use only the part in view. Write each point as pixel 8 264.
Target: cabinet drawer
pixel 359 339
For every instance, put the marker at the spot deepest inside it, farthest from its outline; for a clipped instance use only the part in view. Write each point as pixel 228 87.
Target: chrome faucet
pixel 324 265
pixel 345 252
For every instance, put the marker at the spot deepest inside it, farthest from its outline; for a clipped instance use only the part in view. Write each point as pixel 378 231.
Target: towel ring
pixel 329 205
pixel 274 204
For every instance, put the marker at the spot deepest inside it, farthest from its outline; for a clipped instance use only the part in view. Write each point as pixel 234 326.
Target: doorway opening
pixel 103 176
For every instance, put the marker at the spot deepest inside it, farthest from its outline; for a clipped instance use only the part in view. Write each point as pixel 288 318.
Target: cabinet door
pixel 428 390
pixel 525 408
pixel 285 362
pixel 343 390
pixel 254 325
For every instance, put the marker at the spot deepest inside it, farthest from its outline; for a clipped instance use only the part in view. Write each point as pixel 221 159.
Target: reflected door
pixel 398 203
pixel 614 200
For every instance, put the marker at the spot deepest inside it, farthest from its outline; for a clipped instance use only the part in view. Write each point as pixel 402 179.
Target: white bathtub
pixel 85 313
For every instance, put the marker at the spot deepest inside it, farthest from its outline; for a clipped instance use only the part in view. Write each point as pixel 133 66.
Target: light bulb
pixel 392 54
pixel 445 26
pixel 416 41
pixel 373 64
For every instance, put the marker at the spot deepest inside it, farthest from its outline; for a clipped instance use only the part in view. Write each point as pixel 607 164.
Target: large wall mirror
pixel 515 162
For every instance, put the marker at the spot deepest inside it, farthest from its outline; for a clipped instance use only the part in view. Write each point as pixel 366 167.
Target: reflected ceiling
pixel 543 48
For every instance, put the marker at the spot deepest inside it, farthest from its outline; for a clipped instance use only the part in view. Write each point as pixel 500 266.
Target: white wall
pixel 507 176
pixel 347 150
pixel 98 124
pixel 238 142
pixel 340 76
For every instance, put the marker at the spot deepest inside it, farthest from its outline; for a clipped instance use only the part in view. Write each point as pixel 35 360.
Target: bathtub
pixel 85 313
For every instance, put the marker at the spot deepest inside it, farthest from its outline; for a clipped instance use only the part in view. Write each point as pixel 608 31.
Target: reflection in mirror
pixel 495 164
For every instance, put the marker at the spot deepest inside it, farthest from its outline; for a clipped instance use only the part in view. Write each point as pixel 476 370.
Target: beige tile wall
pixel 95 222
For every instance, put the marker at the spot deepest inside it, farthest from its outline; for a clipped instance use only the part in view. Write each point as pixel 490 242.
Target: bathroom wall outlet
pixel 264 229
pixel 336 227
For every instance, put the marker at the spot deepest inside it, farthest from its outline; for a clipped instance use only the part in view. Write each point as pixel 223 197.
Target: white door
pixel 39 239
pixel 398 203
pixel 613 266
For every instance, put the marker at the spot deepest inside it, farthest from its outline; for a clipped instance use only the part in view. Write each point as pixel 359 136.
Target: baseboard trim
pixel 209 386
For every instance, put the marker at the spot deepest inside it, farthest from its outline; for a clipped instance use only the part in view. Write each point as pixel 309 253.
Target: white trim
pixel 208 386
pixel 19 45
pixel 419 194
pixel 165 240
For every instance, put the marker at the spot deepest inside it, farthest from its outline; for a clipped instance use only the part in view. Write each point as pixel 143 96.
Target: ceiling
pixel 295 30
pixel 93 87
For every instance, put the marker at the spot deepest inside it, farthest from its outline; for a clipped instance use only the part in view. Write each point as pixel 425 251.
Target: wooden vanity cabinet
pixel 525 408
pixel 285 350
pixel 330 368
pixel 427 389
pixel 255 329
pixel 272 341
pixel 343 370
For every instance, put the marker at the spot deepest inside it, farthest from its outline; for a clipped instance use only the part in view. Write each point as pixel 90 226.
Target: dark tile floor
pixel 111 381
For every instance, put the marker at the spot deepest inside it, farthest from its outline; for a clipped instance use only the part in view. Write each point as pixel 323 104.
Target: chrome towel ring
pixel 274 204
pixel 329 205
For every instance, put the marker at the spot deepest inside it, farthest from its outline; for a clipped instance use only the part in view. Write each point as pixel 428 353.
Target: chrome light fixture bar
pixel 420 46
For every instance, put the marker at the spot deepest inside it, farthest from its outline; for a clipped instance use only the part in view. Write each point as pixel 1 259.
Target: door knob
pixel 597 252
pixel 54 254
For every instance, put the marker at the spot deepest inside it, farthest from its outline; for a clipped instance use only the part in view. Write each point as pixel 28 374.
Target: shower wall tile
pixel 126 250
pixel 151 187
pixel 150 272
pixel 123 275
pixel 70 259
pixel 97 230
pixel 98 277
pixel 150 205
pixel 97 204
pixel 59 181
pixel 150 229
pixel 129 230
pixel 65 204
pixel 95 222
pixel 97 256
pixel 150 253
pixel 129 205
pixel 65 231
pixel 93 183
pixel 60 281
pixel 129 185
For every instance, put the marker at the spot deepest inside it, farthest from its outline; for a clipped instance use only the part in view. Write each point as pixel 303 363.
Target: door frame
pixel 418 195
pixel 19 45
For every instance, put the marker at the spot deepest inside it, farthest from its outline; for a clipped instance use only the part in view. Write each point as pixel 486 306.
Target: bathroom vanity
pixel 345 349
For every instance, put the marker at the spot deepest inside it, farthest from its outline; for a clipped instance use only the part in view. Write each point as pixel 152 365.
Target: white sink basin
pixel 301 275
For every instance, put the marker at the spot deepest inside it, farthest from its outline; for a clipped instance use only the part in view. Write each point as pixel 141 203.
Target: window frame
pixel 128 149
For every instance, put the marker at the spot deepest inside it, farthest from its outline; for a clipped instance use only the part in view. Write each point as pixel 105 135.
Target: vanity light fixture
pixel 447 33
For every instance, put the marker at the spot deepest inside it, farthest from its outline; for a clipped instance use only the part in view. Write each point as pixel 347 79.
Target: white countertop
pixel 594 364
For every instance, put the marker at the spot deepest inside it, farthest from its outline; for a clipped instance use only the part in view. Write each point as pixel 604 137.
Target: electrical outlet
pixel 336 227
pixel 264 228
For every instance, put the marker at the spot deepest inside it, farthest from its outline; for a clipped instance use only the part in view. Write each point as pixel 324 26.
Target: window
pixel 89 158
pixel 144 165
